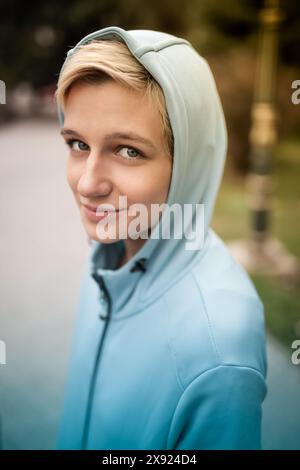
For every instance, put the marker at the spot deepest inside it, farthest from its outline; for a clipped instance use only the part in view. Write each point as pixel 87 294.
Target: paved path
pixel 43 246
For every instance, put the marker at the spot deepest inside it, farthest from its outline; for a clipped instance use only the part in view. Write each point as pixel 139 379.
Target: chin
pixel 92 234
pixel 106 241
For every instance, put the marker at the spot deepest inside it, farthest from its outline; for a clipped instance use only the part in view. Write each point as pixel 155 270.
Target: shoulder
pixel 215 316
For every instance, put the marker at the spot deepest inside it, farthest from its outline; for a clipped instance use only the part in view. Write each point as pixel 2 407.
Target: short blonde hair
pixel 102 60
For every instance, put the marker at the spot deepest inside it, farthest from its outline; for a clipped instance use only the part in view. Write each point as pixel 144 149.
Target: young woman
pixel 169 341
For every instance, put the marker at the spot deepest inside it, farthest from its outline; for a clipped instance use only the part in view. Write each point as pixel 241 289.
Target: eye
pixel 73 141
pixel 131 153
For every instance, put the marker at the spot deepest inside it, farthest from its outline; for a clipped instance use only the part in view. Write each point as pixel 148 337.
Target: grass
pixel 232 219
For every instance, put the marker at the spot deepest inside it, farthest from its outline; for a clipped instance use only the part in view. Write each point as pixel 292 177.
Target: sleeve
pixel 220 409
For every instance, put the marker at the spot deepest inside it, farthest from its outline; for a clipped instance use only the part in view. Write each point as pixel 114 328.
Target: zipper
pixel 100 281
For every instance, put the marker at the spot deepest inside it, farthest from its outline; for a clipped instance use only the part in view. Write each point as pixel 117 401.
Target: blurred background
pixel 253 48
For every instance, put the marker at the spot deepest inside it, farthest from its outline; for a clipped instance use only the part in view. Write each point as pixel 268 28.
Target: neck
pixel 131 248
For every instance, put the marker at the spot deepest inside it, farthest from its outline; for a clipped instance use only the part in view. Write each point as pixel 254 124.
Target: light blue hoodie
pixel 169 350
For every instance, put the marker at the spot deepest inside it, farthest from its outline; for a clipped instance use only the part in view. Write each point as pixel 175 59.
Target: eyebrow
pixel 115 135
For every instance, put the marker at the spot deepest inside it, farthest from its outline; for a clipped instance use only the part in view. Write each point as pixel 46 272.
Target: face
pixel 107 161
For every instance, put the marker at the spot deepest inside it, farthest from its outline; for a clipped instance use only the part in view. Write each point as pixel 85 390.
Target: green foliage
pixel 24 59
pixel 229 22
pixel 232 218
pixel 282 307
pixel 210 23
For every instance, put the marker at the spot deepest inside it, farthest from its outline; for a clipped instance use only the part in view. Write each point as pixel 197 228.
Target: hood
pixel 200 145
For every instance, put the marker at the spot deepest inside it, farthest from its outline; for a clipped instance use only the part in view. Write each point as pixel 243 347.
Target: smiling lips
pixel 95 208
pixel 90 212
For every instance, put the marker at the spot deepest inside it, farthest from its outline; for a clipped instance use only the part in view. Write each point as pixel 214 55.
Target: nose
pixel 94 181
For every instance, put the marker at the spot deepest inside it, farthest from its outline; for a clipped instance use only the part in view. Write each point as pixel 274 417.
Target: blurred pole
pixel 263 134
pixel 262 253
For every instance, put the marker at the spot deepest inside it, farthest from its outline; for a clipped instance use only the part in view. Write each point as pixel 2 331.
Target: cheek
pixel 151 184
pixel 73 175
pixel 167 177
pixel 160 182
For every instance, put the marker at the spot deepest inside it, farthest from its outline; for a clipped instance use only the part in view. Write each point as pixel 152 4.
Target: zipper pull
pixel 104 294
pixel 103 317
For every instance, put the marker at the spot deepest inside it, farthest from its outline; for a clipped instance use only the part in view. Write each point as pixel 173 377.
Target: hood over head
pixel 200 145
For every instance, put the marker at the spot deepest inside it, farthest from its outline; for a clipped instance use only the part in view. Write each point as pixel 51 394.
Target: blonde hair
pixel 101 60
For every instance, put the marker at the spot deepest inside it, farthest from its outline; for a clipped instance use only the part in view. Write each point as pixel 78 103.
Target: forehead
pixel 109 96
pixel 112 108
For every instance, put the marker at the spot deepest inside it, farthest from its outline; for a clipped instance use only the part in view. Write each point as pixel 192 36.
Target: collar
pixel 145 277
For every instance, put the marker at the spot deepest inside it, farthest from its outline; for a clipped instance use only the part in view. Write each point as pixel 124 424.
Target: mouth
pixel 92 214
pixel 103 209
